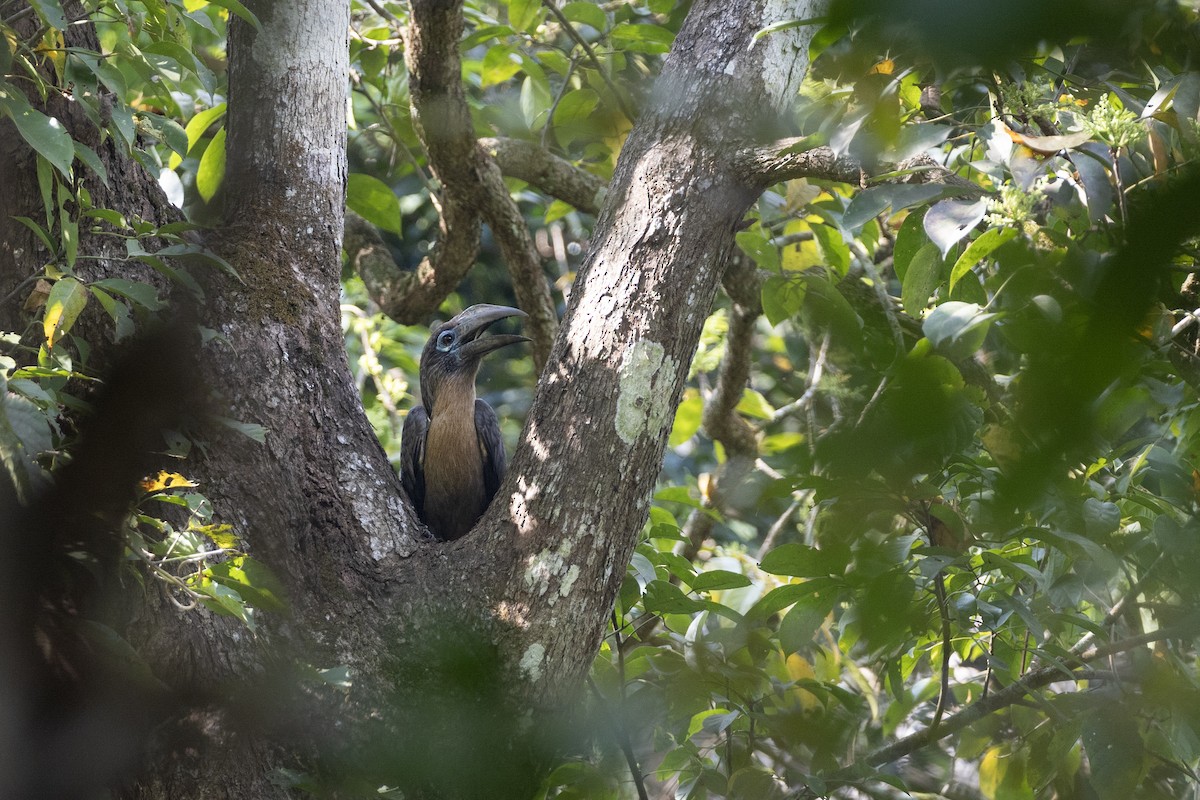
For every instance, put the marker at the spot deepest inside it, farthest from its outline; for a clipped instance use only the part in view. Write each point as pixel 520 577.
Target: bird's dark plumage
pixel 451 453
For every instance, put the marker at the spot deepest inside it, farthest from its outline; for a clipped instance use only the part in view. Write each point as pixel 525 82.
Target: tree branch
pixel 1009 695
pixel 546 172
pixel 472 190
pixel 791 158
pixel 516 245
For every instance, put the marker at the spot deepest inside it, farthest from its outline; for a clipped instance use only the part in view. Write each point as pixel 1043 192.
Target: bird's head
pixel 456 347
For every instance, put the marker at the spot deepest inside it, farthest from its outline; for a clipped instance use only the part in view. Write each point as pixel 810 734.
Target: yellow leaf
pixel 991 772
pixel 67 298
pixel 165 480
pixel 222 535
pixel 885 67
pixel 52 47
pixel 799 669
pixel 799 194
pixel 800 256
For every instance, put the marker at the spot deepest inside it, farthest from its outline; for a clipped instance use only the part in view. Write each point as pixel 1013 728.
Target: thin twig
pixel 885 299
pixel 618 727
pixel 591 54
pixel 383 12
pixel 777 527
pixel 1118 607
pixel 816 370
pixel 939 589
pixel 562 92
pixel 1010 695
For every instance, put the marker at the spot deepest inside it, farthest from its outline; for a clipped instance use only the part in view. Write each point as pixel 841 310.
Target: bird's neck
pixel 455 396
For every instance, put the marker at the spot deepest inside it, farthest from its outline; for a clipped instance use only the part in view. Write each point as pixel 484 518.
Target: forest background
pixel 854 453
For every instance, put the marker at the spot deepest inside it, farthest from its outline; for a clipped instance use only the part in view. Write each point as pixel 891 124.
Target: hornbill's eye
pixel 445 340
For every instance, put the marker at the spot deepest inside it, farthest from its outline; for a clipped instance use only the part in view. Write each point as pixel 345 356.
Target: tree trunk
pixel 448 645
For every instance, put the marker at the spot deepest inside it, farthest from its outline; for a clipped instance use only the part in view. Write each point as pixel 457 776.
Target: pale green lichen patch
pixel 643 399
pixel 531 661
pixel 569 580
pixel 546 565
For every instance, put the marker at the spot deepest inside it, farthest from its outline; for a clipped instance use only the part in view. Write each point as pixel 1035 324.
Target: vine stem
pixel 591 54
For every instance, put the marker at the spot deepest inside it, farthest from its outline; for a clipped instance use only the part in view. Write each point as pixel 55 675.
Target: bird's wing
pixel 491 447
pixel 412 457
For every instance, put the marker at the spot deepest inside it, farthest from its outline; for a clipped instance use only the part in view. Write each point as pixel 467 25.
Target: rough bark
pixel 579 487
pixel 525 597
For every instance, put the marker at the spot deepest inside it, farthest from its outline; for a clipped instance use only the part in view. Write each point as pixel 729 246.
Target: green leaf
pixel 949 221
pixel 646 38
pixel 800 561
pixel 112 217
pixel 68 227
pixel 256 584
pixel 753 404
pixel 1115 752
pixel 524 15
pixel 642 570
pixel 118 654
pixel 51 247
pixel 500 63
pixel 920 279
pixel 872 202
pixel 916 139
pixel 781 597
pixel 167 131
pixel 195 252
pixel 237 8
pixel 756 245
pixel 143 294
pixel 197 126
pixel 1100 517
pixel 556 211
pixel 575 106
pixel 211 170
pixel 586 14
pixel 24 432
pixel 68 297
pixel 248 429
pixel 46 183
pixel 374 201
pixel 87 156
pixel 665 598
pixel 834 250
pixel 782 297
pixel 109 75
pixel 712 720
pixel 224 600
pixel 44 134
pixel 535 100
pixel 687 418
pixel 980 249
pixel 222 534
pixel 824 306
pixel 51 13
pixel 957 328
pixel 718 579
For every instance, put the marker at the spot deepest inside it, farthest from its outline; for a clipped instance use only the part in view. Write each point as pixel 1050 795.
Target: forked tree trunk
pixel 500 627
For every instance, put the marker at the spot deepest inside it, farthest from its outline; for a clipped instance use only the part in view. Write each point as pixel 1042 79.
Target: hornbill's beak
pixel 471 325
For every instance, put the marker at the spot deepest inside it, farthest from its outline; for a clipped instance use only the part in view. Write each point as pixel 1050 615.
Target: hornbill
pixel 451 453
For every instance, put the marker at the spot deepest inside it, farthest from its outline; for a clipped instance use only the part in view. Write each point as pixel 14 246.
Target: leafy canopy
pixel 966 532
